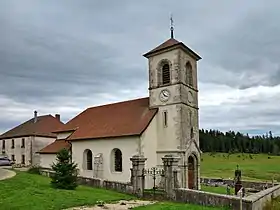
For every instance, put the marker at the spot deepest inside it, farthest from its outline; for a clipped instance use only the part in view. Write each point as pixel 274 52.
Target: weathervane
pixel 171 27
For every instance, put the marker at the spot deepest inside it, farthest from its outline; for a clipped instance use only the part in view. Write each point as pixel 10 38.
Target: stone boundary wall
pixel 246 184
pixel 259 199
pixel 210 199
pixel 253 202
pixel 99 183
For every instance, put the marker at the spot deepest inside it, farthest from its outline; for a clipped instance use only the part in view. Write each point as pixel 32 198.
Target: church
pixel 102 139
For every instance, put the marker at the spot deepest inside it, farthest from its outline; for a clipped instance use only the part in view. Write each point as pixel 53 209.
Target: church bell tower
pixel 173 91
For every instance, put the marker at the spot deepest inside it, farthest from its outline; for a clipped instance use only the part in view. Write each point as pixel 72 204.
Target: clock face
pixel 164 95
pixel 190 97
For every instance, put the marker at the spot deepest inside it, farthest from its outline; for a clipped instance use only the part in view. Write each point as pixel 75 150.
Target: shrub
pixel 65 171
pixel 36 169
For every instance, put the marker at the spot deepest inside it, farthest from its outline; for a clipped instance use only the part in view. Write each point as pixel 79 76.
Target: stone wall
pixel 99 183
pixel 253 202
pixel 210 199
pixel 246 184
pixel 259 199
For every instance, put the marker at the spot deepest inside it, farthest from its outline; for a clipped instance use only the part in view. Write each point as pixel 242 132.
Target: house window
pixel 165 74
pixel 3 144
pixel 117 155
pixel 189 72
pixel 165 118
pixel 13 144
pixel 23 159
pixel 13 158
pixel 89 160
pixel 22 143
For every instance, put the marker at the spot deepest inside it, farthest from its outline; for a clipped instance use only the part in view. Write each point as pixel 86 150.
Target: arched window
pixel 165 74
pixel 117 155
pixel 189 72
pixel 89 160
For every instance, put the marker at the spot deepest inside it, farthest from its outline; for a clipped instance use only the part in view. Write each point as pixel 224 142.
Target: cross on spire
pixel 171 27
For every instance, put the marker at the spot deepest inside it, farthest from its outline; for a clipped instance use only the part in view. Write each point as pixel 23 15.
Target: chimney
pixel 35 116
pixel 57 116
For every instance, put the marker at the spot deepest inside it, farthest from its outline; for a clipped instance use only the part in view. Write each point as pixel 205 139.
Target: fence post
pixel 137 179
pixel 171 169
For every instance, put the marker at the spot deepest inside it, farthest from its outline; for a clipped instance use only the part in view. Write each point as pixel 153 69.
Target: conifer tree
pixel 65 171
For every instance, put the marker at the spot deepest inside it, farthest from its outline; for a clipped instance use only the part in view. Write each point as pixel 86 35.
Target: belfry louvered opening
pixel 165 74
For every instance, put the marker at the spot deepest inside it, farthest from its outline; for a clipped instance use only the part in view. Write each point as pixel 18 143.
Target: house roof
pixel 113 120
pixel 172 43
pixel 43 127
pixel 55 147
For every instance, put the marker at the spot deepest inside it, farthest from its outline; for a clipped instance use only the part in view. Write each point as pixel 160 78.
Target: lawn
pixel 257 167
pixel 218 190
pixel 176 206
pixel 33 192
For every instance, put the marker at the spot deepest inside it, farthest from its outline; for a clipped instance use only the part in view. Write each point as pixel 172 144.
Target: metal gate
pixel 155 177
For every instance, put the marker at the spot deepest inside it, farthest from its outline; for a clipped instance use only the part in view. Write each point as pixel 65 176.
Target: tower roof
pixel 169 44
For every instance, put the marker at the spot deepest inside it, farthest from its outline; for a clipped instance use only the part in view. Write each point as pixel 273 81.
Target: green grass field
pixel 260 167
pixel 33 192
pixel 218 190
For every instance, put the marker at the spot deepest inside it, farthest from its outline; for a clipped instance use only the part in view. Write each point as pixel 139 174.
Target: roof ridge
pixel 119 102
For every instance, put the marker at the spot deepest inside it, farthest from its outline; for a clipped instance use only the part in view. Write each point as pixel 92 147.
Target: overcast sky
pixel 64 56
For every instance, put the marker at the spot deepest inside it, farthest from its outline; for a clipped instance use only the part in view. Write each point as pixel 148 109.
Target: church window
pixel 89 160
pixel 13 144
pixel 189 72
pixel 165 74
pixel 165 118
pixel 117 160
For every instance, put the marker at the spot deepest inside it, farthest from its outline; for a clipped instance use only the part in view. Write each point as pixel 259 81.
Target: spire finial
pixel 171 26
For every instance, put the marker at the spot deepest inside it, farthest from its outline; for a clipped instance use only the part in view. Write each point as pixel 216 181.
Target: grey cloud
pixel 63 56
pixel 249 49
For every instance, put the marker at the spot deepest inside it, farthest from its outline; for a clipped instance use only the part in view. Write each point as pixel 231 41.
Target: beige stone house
pixel 22 143
pixel 102 139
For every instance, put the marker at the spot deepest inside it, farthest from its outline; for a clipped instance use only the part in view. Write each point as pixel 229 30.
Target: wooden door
pixel 191 179
pixel 191 172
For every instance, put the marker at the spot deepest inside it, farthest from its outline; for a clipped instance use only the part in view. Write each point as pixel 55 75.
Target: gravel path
pixel 6 174
pixel 121 205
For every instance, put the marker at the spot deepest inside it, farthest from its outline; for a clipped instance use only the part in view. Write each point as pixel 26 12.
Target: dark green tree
pixel 65 171
pixel 235 142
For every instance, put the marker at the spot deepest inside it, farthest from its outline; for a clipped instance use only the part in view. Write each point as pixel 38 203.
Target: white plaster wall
pixel 37 144
pixel 46 160
pixel 17 151
pixel 64 135
pixel 149 140
pixel 168 136
pixel 127 145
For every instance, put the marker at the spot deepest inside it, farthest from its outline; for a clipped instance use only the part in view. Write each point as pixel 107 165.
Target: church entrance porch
pixel 192 172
